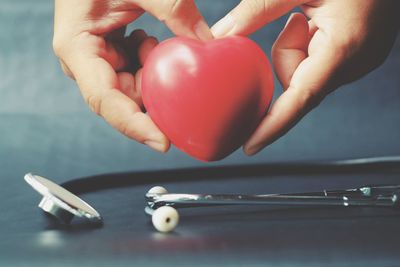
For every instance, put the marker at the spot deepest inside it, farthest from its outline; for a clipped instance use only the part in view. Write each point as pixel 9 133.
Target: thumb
pixel 307 78
pixel 250 15
pixel 182 17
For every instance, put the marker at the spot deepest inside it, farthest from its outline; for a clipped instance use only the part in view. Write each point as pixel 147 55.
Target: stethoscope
pixel 162 206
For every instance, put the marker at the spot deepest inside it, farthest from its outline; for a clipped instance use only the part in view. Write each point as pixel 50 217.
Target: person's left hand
pixel 339 42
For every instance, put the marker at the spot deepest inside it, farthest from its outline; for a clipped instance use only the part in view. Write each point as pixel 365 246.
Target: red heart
pixel 207 97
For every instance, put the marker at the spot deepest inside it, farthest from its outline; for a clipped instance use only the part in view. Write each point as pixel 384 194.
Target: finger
pixel 181 16
pixel 115 55
pixel 135 39
pixel 309 84
pixel 145 48
pixel 107 50
pixel 138 46
pixel 100 88
pixel 130 85
pixel 131 45
pixel 250 15
pixel 288 109
pixel 290 48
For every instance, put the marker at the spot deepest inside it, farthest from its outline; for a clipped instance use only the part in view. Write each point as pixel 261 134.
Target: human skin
pixel 89 39
pixel 333 43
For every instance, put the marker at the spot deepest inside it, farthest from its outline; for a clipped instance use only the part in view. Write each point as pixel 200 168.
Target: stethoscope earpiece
pixel 164 218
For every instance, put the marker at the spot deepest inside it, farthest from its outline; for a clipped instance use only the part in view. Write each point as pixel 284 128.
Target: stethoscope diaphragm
pixel 60 202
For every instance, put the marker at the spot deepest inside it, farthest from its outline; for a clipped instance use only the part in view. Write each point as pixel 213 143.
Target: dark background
pixel 46 128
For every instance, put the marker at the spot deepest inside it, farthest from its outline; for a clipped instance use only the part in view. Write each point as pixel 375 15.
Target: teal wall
pixel 45 126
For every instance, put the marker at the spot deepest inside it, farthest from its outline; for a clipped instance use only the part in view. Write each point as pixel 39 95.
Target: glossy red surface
pixel 207 97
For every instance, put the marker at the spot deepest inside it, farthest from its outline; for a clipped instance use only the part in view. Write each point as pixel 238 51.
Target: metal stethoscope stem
pixel 386 196
pixel 191 200
pixel 161 204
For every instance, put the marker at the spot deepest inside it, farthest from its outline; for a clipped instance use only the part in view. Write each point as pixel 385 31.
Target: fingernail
pixel 223 27
pixel 251 150
pixel 289 19
pixel 202 31
pixel 155 145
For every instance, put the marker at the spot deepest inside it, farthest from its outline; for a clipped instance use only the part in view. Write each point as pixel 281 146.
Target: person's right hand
pixel 90 43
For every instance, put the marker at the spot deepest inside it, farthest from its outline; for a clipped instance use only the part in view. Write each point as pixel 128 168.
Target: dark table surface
pixel 46 128
pixel 208 236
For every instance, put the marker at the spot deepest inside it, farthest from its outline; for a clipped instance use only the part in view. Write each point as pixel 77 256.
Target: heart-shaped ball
pixel 207 97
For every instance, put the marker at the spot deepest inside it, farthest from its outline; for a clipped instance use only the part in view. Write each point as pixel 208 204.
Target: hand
pixel 340 42
pixel 89 41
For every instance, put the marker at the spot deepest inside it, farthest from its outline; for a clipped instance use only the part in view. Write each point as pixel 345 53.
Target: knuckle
pixel 57 47
pixel 311 99
pixel 66 70
pixel 257 7
pixel 260 5
pixel 124 128
pixel 130 129
pixel 94 102
pixel 175 8
pixel 344 47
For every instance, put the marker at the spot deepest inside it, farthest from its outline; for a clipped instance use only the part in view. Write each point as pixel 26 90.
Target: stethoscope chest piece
pixel 61 203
